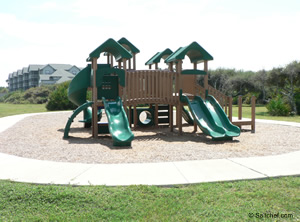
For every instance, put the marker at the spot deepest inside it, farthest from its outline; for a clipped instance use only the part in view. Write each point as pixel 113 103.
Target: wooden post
pixel 111 60
pixel 171 67
pixel 171 117
pixel 95 99
pixel 179 68
pixel 107 55
pixel 156 65
pixel 123 89
pixel 150 66
pixel 134 61
pixel 130 115
pixel 206 76
pixel 129 64
pixel 253 114
pixel 156 115
pixel 195 122
pixel 135 117
pixel 240 108
pixel 120 64
pixel 195 65
pixel 230 109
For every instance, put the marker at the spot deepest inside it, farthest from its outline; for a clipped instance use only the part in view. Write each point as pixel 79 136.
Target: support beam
pixel 156 115
pixel 253 98
pixel 240 108
pixel 134 61
pixel 130 116
pixel 111 60
pixel 179 69
pixel 230 109
pixel 95 99
pixel 171 117
pixel 135 119
pixel 206 76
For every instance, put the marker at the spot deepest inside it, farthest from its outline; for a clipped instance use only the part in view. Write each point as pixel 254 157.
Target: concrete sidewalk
pixel 169 173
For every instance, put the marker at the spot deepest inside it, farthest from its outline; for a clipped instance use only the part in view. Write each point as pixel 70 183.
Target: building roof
pixel 58 66
pixel 157 57
pixel 34 67
pixel 194 51
pixel 25 70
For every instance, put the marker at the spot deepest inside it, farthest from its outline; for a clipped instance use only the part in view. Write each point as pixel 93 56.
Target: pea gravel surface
pixel 41 137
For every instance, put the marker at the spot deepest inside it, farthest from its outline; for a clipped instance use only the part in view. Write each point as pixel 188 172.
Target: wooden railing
pixel 150 86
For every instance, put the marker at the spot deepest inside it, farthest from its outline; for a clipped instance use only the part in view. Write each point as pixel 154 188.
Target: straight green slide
pixel 221 118
pixel 118 123
pixel 211 118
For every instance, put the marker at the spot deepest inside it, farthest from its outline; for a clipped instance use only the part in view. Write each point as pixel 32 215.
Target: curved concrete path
pixel 169 173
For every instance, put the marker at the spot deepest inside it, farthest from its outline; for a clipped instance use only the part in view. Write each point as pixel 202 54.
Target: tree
pixel 291 75
pixel 260 83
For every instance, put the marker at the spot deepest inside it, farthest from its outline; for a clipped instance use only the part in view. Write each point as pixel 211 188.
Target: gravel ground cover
pixel 41 137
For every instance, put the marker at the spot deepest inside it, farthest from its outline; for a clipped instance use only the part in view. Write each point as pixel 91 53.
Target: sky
pixel 246 35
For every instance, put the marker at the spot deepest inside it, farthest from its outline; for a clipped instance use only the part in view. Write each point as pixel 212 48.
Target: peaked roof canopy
pixel 194 51
pixel 128 45
pixel 157 57
pixel 112 47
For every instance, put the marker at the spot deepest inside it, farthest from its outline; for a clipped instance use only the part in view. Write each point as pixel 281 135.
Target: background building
pixel 37 75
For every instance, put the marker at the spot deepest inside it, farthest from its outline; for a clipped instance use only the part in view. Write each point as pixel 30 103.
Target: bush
pixel 58 99
pixel 278 107
pixel 16 97
pixel 38 95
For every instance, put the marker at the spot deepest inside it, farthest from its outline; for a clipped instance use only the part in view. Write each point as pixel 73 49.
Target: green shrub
pixel 16 97
pixel 278 107
pixel 38 95
pixel 58 99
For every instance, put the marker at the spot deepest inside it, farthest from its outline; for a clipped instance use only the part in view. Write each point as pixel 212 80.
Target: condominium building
pixel 37 75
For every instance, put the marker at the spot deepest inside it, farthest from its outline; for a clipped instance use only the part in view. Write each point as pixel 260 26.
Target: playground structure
pixel 120 89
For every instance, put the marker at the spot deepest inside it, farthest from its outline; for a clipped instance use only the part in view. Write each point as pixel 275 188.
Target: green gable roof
pixel 194 51
pixel 112 47
pixel 128 45
pixel 157 57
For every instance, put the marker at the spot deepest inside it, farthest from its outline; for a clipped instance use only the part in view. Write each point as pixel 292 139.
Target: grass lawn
pixel 250 200
pixel 262 113
pixel 223 201
pixel 14 109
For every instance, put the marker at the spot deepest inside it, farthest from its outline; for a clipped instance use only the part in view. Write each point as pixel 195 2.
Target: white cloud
pixel 46 6
pixel 234 40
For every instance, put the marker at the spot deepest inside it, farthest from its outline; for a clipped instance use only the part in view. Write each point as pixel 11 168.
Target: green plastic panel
pixel 158 56
pixel 193 72
pixel 112 47
pixel 194 51
pixel 128 45
pixel 108 87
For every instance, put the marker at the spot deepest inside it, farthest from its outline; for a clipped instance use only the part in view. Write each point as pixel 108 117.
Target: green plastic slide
pixel 220 117
pixel 118 123
pixel 74 114
pixel 187 116
pixel 211 118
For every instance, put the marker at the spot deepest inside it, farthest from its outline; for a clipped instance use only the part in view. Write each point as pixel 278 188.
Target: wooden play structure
pixel 161 92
